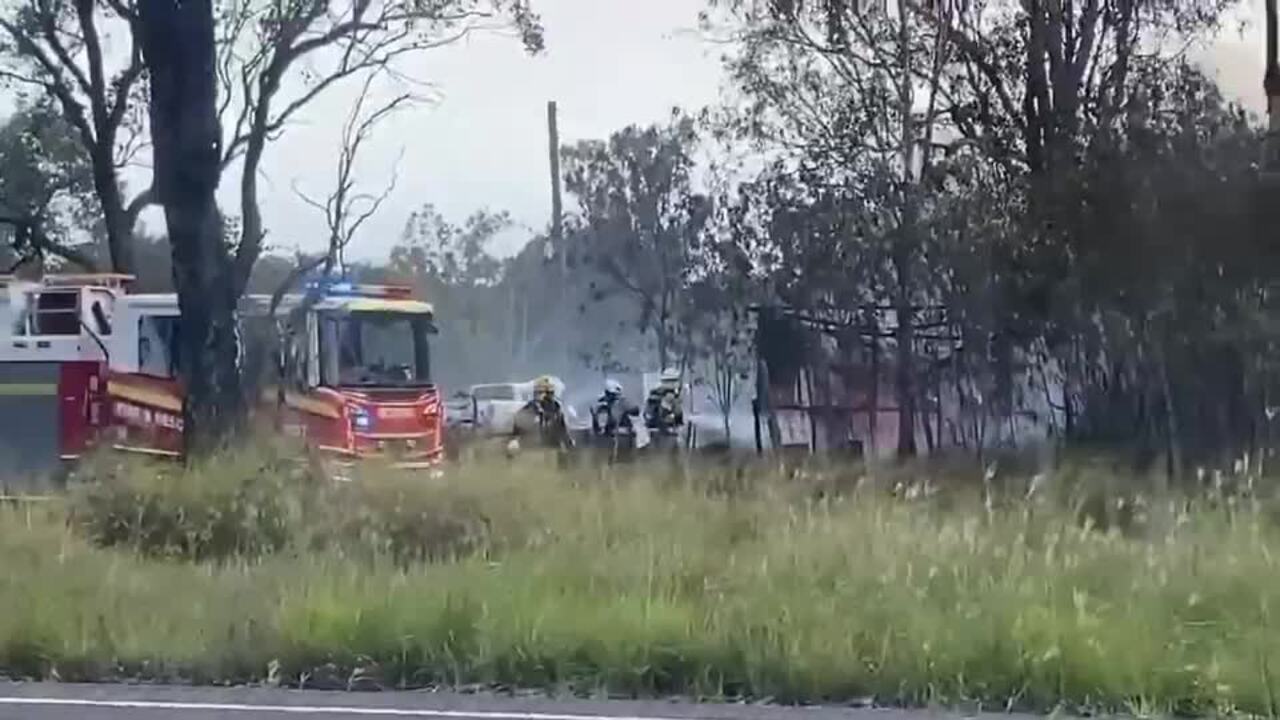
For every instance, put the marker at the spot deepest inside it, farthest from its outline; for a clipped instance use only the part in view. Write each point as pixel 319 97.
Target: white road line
pixel 306 709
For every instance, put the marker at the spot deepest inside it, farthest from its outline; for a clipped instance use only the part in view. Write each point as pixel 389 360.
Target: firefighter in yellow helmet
pixel 543 416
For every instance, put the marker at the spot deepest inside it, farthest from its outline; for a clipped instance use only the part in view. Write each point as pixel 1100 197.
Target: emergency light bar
pixel 345 288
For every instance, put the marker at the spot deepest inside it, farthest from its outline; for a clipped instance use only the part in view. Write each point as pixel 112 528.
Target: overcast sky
pixel 608 63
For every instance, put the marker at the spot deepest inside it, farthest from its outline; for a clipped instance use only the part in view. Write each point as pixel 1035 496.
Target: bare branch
pixel 24 79
pixel 97 86
pixel 375 202
pixel 48 20
pixel 346 211
pixel 122 86
pixel 140 202
pixel 367 37
pixel 230 65
pixel 304 197
pixel 373 62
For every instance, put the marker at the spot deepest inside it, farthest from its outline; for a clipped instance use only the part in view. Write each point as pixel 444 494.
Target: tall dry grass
pixel 814 585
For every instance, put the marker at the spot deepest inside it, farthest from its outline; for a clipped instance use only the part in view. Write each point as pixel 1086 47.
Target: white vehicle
pixel 459 411
pixel 494 405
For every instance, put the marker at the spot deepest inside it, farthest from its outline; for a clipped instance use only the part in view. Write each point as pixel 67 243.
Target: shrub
pixel 243 504
pixel 262 500
pixel 406 518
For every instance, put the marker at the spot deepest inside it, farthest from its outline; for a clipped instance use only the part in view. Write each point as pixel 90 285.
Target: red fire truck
pixel 354 373
pixel 84 363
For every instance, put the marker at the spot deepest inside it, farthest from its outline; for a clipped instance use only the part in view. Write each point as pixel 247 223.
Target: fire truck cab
pixel 354 374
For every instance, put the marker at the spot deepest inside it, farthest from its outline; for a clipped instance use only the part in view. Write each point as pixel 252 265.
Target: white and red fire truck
pixel 84 363
pixel 54 339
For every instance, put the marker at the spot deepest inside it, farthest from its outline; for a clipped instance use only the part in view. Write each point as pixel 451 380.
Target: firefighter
pixel 664 412
pixel 544 415
pixel 612 412
pixel 612 425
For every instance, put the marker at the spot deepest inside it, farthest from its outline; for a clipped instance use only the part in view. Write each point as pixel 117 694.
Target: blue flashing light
pixel 329 285
pixel 340 287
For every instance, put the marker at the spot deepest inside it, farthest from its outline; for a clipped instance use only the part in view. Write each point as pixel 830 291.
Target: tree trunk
pixel 178 42
pixel 905 385
pixel 929 445
pixel 1271 86
pixel 903 250
pixel 726 398
pixel 937 389
pixel 251 230
pixel 215 409
pixel 1173 434
pixel 663 339
pixel 766 404
pixel 873 398
pixel 118 222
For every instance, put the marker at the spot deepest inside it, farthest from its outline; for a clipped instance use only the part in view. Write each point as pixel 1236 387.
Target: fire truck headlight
pixel 360 419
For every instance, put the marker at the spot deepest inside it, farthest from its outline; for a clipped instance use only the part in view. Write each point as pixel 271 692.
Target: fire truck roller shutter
pixel 29 431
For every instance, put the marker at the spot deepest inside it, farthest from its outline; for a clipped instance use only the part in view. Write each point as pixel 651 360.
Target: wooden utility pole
pixel 557 209
pixel 557 224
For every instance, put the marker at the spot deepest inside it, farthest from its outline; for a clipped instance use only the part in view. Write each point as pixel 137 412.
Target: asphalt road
pixel 26 701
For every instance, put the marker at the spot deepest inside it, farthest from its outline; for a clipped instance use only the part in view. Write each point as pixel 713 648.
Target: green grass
pixel 805 589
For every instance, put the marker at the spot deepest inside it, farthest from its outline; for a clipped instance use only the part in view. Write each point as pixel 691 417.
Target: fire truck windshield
pixel 374 349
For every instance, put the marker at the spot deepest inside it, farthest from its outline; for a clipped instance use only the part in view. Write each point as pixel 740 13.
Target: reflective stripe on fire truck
pixel 146 396
pixel 317 407
pixel 146 451
pixel 394 436
pixel 28 389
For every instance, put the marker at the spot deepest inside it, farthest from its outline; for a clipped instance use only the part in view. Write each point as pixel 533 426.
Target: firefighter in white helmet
pixel 612 413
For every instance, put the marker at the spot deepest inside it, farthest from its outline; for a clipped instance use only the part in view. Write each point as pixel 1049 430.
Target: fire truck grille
pixel 399 449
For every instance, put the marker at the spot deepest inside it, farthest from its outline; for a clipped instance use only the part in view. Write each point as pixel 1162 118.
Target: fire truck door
pixel 29 440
